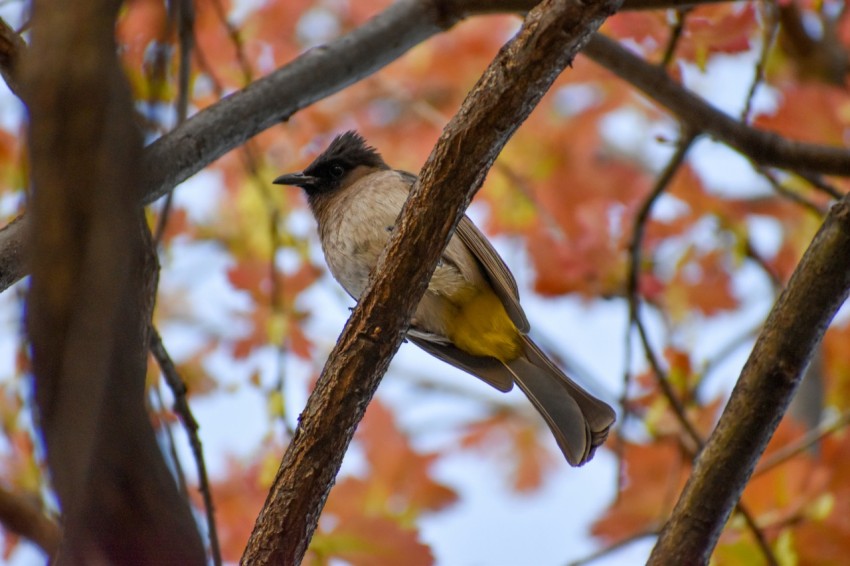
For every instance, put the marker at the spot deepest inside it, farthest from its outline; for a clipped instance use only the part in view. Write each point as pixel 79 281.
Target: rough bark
pixel 767 383
pixel 91 296
pixel 510 88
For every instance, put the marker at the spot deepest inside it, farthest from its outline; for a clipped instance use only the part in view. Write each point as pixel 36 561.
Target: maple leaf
pixel 702 282
pixel 372 519
pixel 518 439
pixel 365 541
pixel 654 475
pixel 238 495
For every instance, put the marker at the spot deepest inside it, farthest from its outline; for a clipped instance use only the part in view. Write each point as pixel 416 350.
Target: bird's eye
pixel 337 171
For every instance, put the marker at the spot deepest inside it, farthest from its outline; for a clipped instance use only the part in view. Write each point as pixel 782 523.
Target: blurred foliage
pixel 566 189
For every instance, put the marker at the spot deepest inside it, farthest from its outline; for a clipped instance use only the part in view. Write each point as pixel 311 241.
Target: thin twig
pixel 182 409
pixel 603 552
pixel 819 183
pixel 172 445
pixel 250 159
pixel 642 218
pixel 732 346
pixel 276 301
pixel 620 441
pixel 185 16
pixel 804 443
pixel 236 39
pixel 11 48
pixel 789 194
pixel 634 268
pixel 20 514
pixel 771 28
pixel 775 281
pixel 675 36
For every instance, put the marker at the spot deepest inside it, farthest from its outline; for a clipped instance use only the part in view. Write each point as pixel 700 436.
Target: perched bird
pixel 470 315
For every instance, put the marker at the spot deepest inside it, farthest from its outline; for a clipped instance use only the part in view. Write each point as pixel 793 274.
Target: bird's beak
pixel 297 180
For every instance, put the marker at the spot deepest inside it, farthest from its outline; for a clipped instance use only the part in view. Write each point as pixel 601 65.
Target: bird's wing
pixel 488 370
pixel 497 273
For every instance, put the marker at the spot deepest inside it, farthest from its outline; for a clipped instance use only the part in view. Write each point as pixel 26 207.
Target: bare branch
pixel 183 12
pixel 11 48
pixel 181 407
pixel 763 147
pixel 632 282
pixel 614 547
pixel 768 39
pixel 21 516
pixel 514 82
pixel 767 383
pixel 695 441
pixel 91 297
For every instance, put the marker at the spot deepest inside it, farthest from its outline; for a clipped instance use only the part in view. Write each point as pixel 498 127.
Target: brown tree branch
pixel 767 383
pixel 11 47
pixel 184 411
pixel 91 297
pixel 13 243
pixel 763 147
pixel 510 88
pixel 182 17
pixel 21 516
pixel 694 442
pixel 686 140
pixel 819 55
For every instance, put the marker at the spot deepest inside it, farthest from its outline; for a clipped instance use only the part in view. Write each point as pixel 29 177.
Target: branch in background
pixel 20 515
pixel 11 48
pixel 183 13
pixel 770 29
pixel 676 31
pixel 820 55
pixel 13 243
pixel 633 279
pixel 763 147
pixel 614 547
pixel 695 441
pixel 807 442
pixel 91 297
pixel 767 383
pixel 182 409
pixel 500 101
pixel 790 194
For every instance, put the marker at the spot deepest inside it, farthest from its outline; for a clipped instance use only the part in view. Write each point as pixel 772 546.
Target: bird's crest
pixel 350 150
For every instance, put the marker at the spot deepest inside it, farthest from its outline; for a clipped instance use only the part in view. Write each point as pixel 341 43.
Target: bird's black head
pixel 333 168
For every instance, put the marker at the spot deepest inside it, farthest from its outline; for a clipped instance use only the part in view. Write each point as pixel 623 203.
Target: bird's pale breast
pixel 356 227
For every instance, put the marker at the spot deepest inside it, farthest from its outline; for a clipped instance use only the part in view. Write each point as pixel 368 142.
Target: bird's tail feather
pixel 579 421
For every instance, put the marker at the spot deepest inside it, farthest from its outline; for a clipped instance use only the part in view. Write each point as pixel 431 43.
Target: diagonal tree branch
pixel 182 409
pixel 510 88
pixel 23 517
pixel 767 383
pixel 765 148
pixel 11 47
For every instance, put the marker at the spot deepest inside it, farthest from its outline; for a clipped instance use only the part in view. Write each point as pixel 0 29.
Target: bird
pixel 470 315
